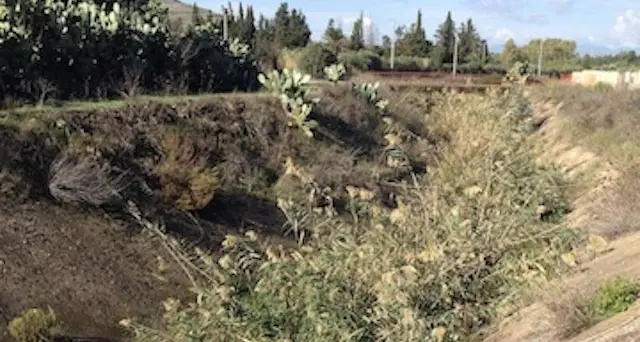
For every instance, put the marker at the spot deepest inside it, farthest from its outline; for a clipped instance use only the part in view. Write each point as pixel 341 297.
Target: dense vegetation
pixel 439 267
pixel 92 49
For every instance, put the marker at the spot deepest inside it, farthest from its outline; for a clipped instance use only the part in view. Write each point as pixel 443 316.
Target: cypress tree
pixel 445 38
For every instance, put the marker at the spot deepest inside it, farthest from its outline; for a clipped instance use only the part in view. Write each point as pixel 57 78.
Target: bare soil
pixel 90 269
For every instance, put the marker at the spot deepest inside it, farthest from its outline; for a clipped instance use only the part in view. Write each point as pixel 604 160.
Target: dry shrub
pixel 12 184
pixel 85 180
pixel 352 121
pixel 34 325
pixel 569 308
pixel 185 177
pixel 605 120
pixel 618 212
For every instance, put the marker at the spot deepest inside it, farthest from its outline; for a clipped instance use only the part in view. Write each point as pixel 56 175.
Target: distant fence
pixel 618 79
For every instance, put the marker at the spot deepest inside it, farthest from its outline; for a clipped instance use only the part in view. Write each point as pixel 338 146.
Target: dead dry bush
pixel 618 213
pixel 85 180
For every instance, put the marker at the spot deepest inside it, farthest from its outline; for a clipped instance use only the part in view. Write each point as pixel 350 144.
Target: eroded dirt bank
pixel 608 255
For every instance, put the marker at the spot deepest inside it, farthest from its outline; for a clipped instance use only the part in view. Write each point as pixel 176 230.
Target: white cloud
pixel 502 35
pixel 626 30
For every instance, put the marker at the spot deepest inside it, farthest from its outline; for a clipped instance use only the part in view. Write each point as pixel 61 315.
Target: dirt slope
pixel 543 321
pixel 90 270
pixel 538 322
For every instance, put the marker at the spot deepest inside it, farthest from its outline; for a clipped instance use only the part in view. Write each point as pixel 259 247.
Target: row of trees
pixel 562 55
pixel 358 49
pixel 412 41
pixel 557 54
pixel 288 29
pixel 97 49
pixel 628 60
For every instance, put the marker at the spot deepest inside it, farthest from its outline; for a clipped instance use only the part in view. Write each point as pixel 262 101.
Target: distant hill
pixel 183 11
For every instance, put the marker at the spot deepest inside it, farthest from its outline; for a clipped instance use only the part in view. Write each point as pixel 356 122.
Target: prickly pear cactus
pixel 292 83
pixel 335 72
pixel 369 93
pixel 292 88
pixel 519 73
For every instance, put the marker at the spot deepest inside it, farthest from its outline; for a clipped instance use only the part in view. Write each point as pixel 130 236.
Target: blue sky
pixel 599 26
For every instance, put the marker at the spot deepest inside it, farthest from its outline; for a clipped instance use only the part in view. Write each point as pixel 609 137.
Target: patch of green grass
pixel 580 310
pixel 613 298
pixel 114 104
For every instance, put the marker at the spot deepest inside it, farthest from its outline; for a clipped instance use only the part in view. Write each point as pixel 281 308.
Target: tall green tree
pixel 196 19
pixel 386 45
pixel 445 38
pixel 414 42
pixel 511 53
pixel 470 43
pixel 333 36
pixel 291 28
pixel 249 27
pixel 240 12
pixel 357 34
pixel 281 25
pixel 266 47
pixel 299 31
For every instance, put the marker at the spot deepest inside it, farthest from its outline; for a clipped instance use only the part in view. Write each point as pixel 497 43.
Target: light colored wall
pixel 630 79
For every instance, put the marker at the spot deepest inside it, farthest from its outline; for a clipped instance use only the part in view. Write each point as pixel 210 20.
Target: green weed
pixel 613 297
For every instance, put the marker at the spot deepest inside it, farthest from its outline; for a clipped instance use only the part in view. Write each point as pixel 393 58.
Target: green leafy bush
pixel 613 297
pixel 314 58
pixel 407 63
pixel 34 325
pixel 361 60
pixel 88 49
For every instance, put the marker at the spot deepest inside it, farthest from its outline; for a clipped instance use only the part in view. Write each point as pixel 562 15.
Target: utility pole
pixel 484 52
pixel 225 24
pixel 393 47
pixel 393 54
pixel 540 57
pixel 455 53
